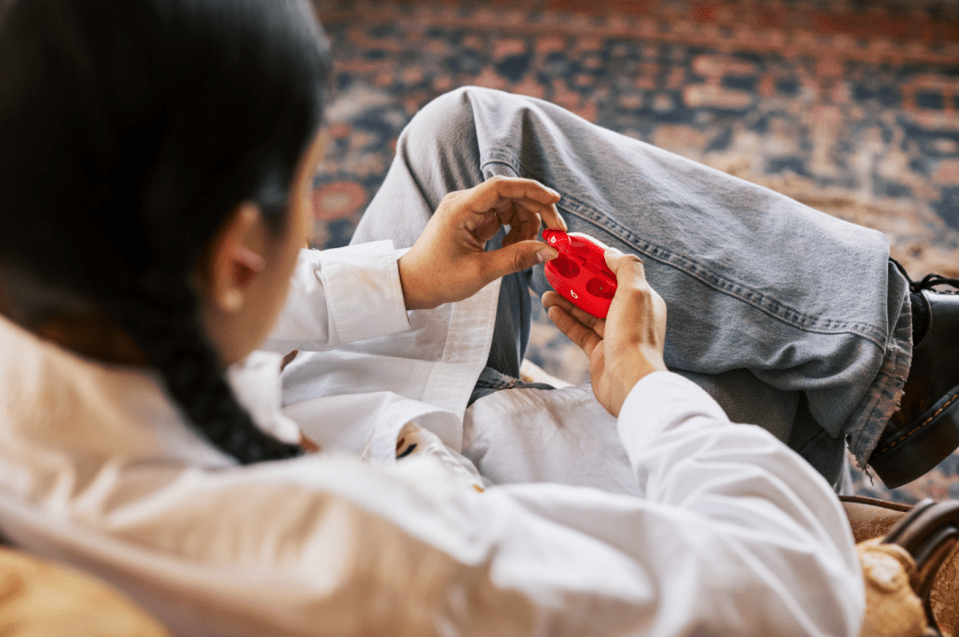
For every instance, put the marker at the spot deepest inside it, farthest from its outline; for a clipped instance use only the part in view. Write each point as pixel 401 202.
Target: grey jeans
pixel 793 320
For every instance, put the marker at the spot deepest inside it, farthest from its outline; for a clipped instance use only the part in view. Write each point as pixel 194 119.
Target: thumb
pixel 519 256
pixel 614 260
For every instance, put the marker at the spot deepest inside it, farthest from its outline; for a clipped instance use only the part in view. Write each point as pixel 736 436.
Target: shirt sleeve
pixel 339 296
pixel 737 536
pixel 763 531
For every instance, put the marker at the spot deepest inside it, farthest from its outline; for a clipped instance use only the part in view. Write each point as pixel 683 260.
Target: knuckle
pixel 476 272
pixel 520 261
pixel 661 303
pixel 634 294
pixel 639 293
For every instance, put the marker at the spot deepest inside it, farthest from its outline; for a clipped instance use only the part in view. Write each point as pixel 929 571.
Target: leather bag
pixel 42 598
pixel 910 562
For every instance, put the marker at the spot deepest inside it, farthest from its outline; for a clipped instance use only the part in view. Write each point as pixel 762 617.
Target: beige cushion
pixel 39 598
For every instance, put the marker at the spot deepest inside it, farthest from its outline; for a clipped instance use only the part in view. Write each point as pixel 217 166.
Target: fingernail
pixel 546 254
pixel 615 252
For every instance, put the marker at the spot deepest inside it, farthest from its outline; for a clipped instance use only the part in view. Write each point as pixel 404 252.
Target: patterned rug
pixel 849 107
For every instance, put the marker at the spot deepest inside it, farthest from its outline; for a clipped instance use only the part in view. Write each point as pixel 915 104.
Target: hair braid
pixel 162 317
pixel 153 120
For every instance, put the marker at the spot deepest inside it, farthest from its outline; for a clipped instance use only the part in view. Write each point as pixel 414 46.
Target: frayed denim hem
pixel 871 417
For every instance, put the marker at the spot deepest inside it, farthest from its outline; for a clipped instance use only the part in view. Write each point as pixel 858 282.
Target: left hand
pixel 628 344
pixel 449 261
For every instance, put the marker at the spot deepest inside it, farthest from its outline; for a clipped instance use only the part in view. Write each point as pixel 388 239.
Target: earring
pixel 231 301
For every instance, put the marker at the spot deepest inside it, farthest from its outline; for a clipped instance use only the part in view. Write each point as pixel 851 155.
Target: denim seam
pixel 772 307
pixel 493 156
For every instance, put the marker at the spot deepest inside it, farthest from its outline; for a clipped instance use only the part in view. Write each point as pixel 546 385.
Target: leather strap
pixel 929 533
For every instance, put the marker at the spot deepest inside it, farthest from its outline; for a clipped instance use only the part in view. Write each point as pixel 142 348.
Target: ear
pixel 237 259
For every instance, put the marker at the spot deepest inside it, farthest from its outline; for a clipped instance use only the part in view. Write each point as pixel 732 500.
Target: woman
pixel 157 160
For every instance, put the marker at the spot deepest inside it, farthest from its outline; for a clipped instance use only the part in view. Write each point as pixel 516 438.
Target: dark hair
pixel 129 131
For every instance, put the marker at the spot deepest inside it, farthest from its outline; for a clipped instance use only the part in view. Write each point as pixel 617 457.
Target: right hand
pixel 628 344
pixel 449 261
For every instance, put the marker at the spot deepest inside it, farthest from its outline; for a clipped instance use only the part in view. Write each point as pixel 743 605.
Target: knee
pixel 450 112
pixel 451 116
pixel 445 142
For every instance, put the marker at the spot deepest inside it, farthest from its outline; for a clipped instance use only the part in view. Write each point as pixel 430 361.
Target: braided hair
pixel 129 132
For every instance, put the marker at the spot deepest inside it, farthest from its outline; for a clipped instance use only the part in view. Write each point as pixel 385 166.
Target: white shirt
pixel 687 523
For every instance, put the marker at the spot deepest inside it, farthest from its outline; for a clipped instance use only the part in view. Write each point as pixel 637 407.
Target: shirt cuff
pixel 659 401
pixel 363 290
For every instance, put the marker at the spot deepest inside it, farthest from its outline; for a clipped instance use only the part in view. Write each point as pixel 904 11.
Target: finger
pixel 629 270
pixel 513 258
pixel 519 215
pixel 584 337
pixel 553 219
pixel 617 260
pixel 514 236
pixel 552 298
pixel 523 219
pixel 512 212
pixel 630 278
pixel 486 195
pixel 482 226
pixel 548 212
pixel 508 209
pixel 534 218
pixel 637 311
pixel 522 231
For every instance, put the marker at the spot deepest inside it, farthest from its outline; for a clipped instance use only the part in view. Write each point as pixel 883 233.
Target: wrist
pixel 411 287
pixel 628 375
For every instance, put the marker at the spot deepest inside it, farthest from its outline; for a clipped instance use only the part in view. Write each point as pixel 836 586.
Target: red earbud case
pixel 579 274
